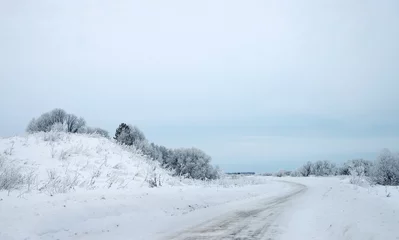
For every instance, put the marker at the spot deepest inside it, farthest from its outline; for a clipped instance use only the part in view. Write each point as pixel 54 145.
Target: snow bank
pixel 333 208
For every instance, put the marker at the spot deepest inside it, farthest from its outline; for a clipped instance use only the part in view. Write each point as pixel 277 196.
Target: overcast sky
pixel 259 85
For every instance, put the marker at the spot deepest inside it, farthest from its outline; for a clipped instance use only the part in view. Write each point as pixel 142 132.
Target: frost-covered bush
pixel 46 121
pixel 59 183
pixel 97 131
pixel 191 163
pixel 295 174
pixel 359 166
pixel 282 173
pixel 58 120
pixel 52 136
pixel 324 168
pixel 386 169
pixel 319 168
pixel 306 169
pixel 12 177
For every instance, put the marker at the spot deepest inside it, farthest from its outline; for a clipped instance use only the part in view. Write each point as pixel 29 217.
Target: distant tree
pixel 324 168
pixel 191 163
pixel 281 173
pixel 58 120
pixel 74 124
pixel 46 121
pixel 306 169
pixel 295 174
pixel 32 126
pixel 386 169
pixel 58 116
pixel 129 135
pixel 360 166
pixel 123 127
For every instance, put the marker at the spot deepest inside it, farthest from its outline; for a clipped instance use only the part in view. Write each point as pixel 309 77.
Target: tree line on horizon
pixel 383 171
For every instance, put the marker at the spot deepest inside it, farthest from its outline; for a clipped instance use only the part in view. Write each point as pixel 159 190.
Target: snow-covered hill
pixel 56 162
pixel 72 186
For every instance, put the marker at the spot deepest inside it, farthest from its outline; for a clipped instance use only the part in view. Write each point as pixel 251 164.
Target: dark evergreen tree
pixel 122 128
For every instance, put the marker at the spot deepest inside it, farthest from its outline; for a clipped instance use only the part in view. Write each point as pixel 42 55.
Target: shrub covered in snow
pixel 190 163
pixel 12 177
pixel 324 168
pixel 319 168
pixel 57 119
pixel 386 169
pixel 282 173
pixel 359 166
pixel 306 169
pixel 97 131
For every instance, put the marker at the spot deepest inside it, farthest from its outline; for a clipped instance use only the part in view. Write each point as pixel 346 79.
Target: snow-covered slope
pixel 88 187
pixel 59 162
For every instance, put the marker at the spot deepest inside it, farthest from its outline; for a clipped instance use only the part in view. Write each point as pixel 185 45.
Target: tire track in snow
pixel 253 222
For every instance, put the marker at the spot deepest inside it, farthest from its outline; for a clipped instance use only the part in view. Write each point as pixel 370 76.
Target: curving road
pixel 252 222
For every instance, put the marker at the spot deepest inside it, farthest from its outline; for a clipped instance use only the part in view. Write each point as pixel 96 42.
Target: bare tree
pixel 58 116
pixel 74 124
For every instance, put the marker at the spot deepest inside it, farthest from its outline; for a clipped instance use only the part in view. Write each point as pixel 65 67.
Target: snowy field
pixel 86 187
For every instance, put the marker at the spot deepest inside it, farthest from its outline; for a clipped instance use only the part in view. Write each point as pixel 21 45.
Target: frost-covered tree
pixel 295 174
pixel 47 121
pixel 58 115
pixel 154 151
pixel 306 169
pixel 360 166
pixel 191 163
pixel 74 124
pixel 32 126
pixel 386 169
pixel 323 168
pixel 129 135
pixel 58 127
pixel 123 127
pixel 282 173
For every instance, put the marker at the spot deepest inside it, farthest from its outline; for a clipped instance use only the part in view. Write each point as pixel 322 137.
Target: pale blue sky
pixel 259 85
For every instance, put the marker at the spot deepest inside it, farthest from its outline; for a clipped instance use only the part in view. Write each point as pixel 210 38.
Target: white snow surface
pixel 332 208
pixel 111 197
pixel 325 208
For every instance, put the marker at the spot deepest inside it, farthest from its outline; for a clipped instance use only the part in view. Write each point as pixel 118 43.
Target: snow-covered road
pixel 295 208
pixel 252 221
pixel 314 208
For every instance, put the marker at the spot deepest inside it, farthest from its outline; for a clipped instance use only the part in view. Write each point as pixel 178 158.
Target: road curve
pixel 247 223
